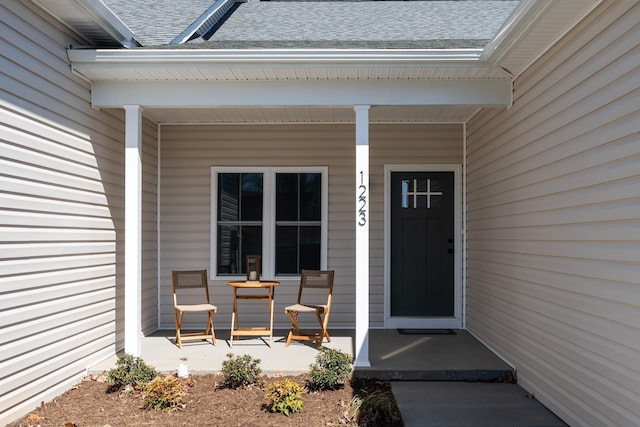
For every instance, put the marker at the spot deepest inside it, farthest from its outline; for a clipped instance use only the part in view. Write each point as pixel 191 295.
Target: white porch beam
pixel 362 235
pixel 133 230
pixel 480 92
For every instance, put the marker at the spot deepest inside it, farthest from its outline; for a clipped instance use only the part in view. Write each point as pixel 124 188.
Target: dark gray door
pixel 422 244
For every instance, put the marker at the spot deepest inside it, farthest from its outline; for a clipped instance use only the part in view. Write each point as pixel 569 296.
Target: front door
pixel 422 244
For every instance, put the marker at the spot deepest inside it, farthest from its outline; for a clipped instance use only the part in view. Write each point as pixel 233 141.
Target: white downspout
pixel 362 236
pixel 133 230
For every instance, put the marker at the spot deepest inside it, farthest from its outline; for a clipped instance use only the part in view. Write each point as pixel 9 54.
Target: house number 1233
pixel 362 201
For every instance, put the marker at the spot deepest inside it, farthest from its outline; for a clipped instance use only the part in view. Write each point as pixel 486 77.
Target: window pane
pixel 286 197
pixel 251 244
pixel 405 197
pixel 240 197
pixel 287 250
pixel 228 244
pixel 234 243
pixel 251 202
pixel 297 248
pixel 298 196
pixel 310 194
pixel 228 197
pixel 309 248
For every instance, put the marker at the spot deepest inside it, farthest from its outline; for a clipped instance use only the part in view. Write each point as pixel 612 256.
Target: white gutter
pixel 304 56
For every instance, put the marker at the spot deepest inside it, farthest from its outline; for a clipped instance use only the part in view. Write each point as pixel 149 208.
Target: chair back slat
pixel 189 279
pixel 317 279
pixel 194 279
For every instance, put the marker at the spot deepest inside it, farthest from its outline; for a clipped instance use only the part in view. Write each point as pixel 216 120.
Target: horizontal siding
pixel 188 152
pixel 61 201
pixel 553 217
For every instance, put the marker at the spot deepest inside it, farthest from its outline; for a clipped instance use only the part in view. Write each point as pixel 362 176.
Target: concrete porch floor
pixel 437 380
pixel 393 356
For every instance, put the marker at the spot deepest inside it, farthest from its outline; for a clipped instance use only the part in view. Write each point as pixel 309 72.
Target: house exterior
pixel 130 139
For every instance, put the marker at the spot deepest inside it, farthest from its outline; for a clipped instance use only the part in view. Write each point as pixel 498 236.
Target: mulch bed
pixel 206 404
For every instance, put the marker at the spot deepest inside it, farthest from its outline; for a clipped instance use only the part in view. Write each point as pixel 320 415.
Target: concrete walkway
pixel 459 404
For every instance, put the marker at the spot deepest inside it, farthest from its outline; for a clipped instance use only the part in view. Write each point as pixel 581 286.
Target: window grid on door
pixel 421 193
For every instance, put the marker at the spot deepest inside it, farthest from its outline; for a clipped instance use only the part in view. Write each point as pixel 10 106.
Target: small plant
pixel 240 371
pixel 330 371
pixel 165 393
pixel 130 371
pixel 378 408
pixel 285 396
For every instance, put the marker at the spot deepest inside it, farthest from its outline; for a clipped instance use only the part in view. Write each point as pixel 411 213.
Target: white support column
pixel 362 236
pixel 133 230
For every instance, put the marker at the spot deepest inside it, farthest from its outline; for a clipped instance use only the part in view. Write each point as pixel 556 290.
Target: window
pixel 277 213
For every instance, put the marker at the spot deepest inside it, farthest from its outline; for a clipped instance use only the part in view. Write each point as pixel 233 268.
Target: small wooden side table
pixel 236 330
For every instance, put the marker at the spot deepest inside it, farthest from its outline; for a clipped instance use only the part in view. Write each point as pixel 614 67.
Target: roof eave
pixel 527 26
pixel 96 16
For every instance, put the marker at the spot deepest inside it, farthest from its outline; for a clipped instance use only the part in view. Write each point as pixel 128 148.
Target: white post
pixel 133 230
pixel 362 236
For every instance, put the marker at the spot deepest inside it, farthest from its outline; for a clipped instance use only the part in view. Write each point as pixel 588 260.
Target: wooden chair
pixel 311 279
pixel 192 280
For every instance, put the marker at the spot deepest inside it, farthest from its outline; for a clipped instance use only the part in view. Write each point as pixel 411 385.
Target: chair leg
pixel 294 326
pixel 323 327
pixel 179 316
pixel 210 329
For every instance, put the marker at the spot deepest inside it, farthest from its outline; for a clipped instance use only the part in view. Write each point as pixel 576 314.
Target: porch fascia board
pixel 478 92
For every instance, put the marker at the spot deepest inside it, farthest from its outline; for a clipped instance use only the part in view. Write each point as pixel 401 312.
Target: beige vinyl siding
pixel 554 223
pixel 189 152
pixel 61 200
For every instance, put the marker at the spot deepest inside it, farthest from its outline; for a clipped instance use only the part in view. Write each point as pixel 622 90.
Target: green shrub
pixel 164 393
pixel 285 396
pixel 130 371
pixel 240 371
pixel 378 408
pixel 330 371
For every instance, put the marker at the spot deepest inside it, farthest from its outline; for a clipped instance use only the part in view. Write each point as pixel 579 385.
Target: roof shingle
pixel 393 24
